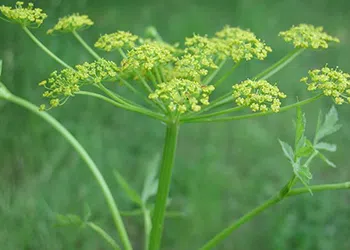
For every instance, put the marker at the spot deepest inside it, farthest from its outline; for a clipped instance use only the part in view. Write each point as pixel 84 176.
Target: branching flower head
pixel 182 95
pixel 147 56
pixel 62 85
pixel 332 82
pixel 117 40
pixel 258 95
pixel 26 16
pixel 240 44
pixel 71 23
pixel 308 36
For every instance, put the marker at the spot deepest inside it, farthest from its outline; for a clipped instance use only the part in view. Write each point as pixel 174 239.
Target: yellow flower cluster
pixel 147 56
pixel 181 95
pixel 332 82
pixel 308 36
pixel 119 39
pixel 71 23
pixel 240 44
pixel 60 86
pixel 28 17
pixel 258 95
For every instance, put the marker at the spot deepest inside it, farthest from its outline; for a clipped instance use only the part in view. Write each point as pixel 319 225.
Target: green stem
pixel 222 112
pixel 241 117
pixel 139 212
pixel 115 96
pixel 284 193
pixel 273 69
pixel 104 235
pixel 94 54
pixel 280 64
pixel 43 47
pixel 248 216
pixel 224 77
pixel 210 77
pixel 85 45
pixel 164 184
pixel 86 158
pixel 130 108
pixel 147 221
pixel 317 188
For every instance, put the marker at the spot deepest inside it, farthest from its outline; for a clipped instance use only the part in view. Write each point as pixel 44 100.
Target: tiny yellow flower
pixel 146 57
pixel 25 16
pixel 258 95
pixel 60 86
pixel 181 95
pixel 307 36
pixel 240 44
pixel 71 23
pixel 332 82
pixel 117 40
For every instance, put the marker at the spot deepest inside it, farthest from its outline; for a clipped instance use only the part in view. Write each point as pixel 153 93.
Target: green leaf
pixel 303 173
pixel 68 220
pixel 304 151
pixel 150 186
pixel 132 194
pixel 326 146
pixel 324 158
pixel 300 128
pixel 287 150
pixel 329 126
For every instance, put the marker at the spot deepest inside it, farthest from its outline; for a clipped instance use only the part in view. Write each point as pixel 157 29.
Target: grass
pixel 222 170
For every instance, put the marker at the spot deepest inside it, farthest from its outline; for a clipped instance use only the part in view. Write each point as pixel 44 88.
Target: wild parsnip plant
pixel 174 84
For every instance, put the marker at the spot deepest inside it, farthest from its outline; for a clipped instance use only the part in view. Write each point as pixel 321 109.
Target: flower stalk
pixel 167 164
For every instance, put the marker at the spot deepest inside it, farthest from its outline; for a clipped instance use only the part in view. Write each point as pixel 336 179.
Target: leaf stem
pixel 248 216
pixel 104 235
pixel 318 188
pixel 44 48
pixel 87 159
pixel 164 184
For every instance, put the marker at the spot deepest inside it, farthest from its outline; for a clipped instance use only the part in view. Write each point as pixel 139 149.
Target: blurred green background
pixel 222 170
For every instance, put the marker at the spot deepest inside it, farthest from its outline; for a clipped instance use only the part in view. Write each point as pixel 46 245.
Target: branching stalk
pixel 44 48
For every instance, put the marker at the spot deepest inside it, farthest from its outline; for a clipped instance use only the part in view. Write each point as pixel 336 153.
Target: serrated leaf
pixel 150 186
pixel 300 127
pixel 329 125
pixel 326 146
pixel 287 150
pixel 303 173
pixel 131 193
pixel 324 158
pixel 68 220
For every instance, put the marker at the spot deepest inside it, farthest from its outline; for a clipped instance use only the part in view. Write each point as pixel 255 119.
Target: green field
pixel 222 170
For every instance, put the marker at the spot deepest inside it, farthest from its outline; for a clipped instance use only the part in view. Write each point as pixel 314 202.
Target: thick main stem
pixel 87 159
pixel 172 131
